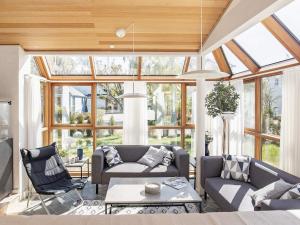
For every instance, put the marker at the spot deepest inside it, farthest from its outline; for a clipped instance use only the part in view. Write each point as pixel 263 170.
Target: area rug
pixel 96 207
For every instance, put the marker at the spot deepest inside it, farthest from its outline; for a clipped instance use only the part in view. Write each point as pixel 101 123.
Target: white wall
pixel 13 65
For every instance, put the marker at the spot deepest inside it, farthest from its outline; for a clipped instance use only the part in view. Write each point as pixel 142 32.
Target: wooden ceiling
pixel 89 25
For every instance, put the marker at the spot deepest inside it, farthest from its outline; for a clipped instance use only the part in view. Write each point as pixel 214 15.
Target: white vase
pixel 226 117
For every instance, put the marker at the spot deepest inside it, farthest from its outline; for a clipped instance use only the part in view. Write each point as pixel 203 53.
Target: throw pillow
pixel 112 156
pixel 169 156
pixel 236 167
pixel 271 191
pixel 293 193
pixel 153 157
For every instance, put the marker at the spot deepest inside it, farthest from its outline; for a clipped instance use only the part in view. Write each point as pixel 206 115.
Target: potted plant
pixel 222 101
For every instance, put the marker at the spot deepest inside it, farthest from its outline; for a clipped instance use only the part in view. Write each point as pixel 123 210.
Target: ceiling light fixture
pixel 111 46
pixel 120 33
pixel 202 73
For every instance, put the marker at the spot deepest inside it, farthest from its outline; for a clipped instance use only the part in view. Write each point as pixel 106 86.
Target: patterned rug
pixel 96 207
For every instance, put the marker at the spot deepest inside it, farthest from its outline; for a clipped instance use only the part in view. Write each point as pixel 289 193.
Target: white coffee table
pixel 131 192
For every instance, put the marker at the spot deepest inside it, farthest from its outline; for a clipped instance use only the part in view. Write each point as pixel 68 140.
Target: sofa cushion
pixel 112 156
pixel 133 169
pixel 230 195
pixel 293 193
pixel 169 156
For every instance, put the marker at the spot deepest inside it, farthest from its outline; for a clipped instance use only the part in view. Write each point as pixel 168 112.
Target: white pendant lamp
pixel 120 33
pixel 202 73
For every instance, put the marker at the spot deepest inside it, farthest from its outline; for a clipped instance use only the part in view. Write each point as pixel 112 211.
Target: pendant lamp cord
pixel 133 49
pixel 201 33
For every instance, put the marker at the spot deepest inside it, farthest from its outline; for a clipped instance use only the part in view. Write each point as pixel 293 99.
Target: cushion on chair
pixel 230 195
pixel 42 153
pixel 131 169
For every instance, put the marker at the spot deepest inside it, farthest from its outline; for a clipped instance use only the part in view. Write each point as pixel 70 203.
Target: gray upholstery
pixel 276 204
pixel 233 195
pixel 132 169
pixel 130 154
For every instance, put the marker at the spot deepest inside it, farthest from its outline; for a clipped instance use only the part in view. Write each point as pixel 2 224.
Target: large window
pixel 115 65
pixel 290 17
pixel 264 94
pixel 164 104
pixel 209 63
pixel 191 96
pixel 162 65
pixel 72 105
pixel 109 136
pixel 68 65
pixel 109 106
pixel 262 46
pixel 164 136
pixel 235 64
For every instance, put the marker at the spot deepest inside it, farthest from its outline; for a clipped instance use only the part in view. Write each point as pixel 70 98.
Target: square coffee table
pixel 131 192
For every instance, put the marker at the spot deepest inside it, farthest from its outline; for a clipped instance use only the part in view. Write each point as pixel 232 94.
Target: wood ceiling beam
pixel 92 65
pixel 42 67
pixel 186 64
pixel 221 60
pixel 243 56
pixel 139 69
pixel 283 36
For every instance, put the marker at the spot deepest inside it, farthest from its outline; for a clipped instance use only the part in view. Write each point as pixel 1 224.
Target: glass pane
pixel 164 104
pixel 210 62
pixel 162 65
pixel 271 152
pixel 33 67
pixel 193 64
pixel 189 142
pixel 164 137
pixel 72 104
pixel 290 16
pixel 191 96
pixel 109 137
pixel 249 145
pixel 235 64
pixel 115 65
pixel 249 105
pixel 109 106
pixel 68 141
pixel 262 46
pixel 271 104
pixel 68 65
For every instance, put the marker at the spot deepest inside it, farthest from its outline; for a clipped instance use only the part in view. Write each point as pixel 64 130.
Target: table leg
pixel 105 208
pixel 200 207
pixel 81 172
pixel 88 163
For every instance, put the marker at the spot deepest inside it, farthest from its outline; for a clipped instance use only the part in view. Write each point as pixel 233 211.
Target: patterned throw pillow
pixel 293 193
pixel 112 156
pixel 168 156
pixel 152 157
pixel 236 167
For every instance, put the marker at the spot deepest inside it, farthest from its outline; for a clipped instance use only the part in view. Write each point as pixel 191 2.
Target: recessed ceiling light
pixel 121 32
pixel 111 46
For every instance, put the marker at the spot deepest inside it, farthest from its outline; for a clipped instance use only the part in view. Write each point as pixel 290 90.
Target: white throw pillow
pixel 153 157
pixel 293 193
pixel 169 156
pixel 271 191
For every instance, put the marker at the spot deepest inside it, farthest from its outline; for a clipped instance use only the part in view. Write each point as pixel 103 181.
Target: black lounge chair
pixel 48 174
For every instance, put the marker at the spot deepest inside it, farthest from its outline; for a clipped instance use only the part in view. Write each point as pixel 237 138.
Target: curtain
pixel 290 122
pixel 34 111
pixel 135 124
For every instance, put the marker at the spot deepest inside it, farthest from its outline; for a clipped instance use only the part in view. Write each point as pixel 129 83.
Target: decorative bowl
pixel 152 188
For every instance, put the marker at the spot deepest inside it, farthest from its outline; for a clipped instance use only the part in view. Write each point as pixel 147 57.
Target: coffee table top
pixel 132 191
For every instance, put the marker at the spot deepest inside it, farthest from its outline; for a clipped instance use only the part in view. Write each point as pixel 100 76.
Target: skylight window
pixel 262 46
pixel 235 64
pixel 68 65
pixel 209 63
pixel 115 65
pixel 162 65
pixel 290 17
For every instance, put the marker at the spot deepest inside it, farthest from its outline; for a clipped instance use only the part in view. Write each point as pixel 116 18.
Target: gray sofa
pixel 130 154
pixel 232 195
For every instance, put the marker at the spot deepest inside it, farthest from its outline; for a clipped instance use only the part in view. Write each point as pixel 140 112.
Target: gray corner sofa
pixel 232 195
pixel 130 154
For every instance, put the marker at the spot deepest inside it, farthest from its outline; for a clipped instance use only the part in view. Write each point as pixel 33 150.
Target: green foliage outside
pixel 271 153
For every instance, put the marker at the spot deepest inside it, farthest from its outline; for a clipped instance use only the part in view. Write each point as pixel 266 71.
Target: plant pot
pixel 80 153
pixel 227 115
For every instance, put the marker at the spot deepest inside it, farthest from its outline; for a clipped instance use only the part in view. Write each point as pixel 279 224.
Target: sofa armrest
pixel 97 166
pixel 278 204
pixel 211 166
pixel 181 161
